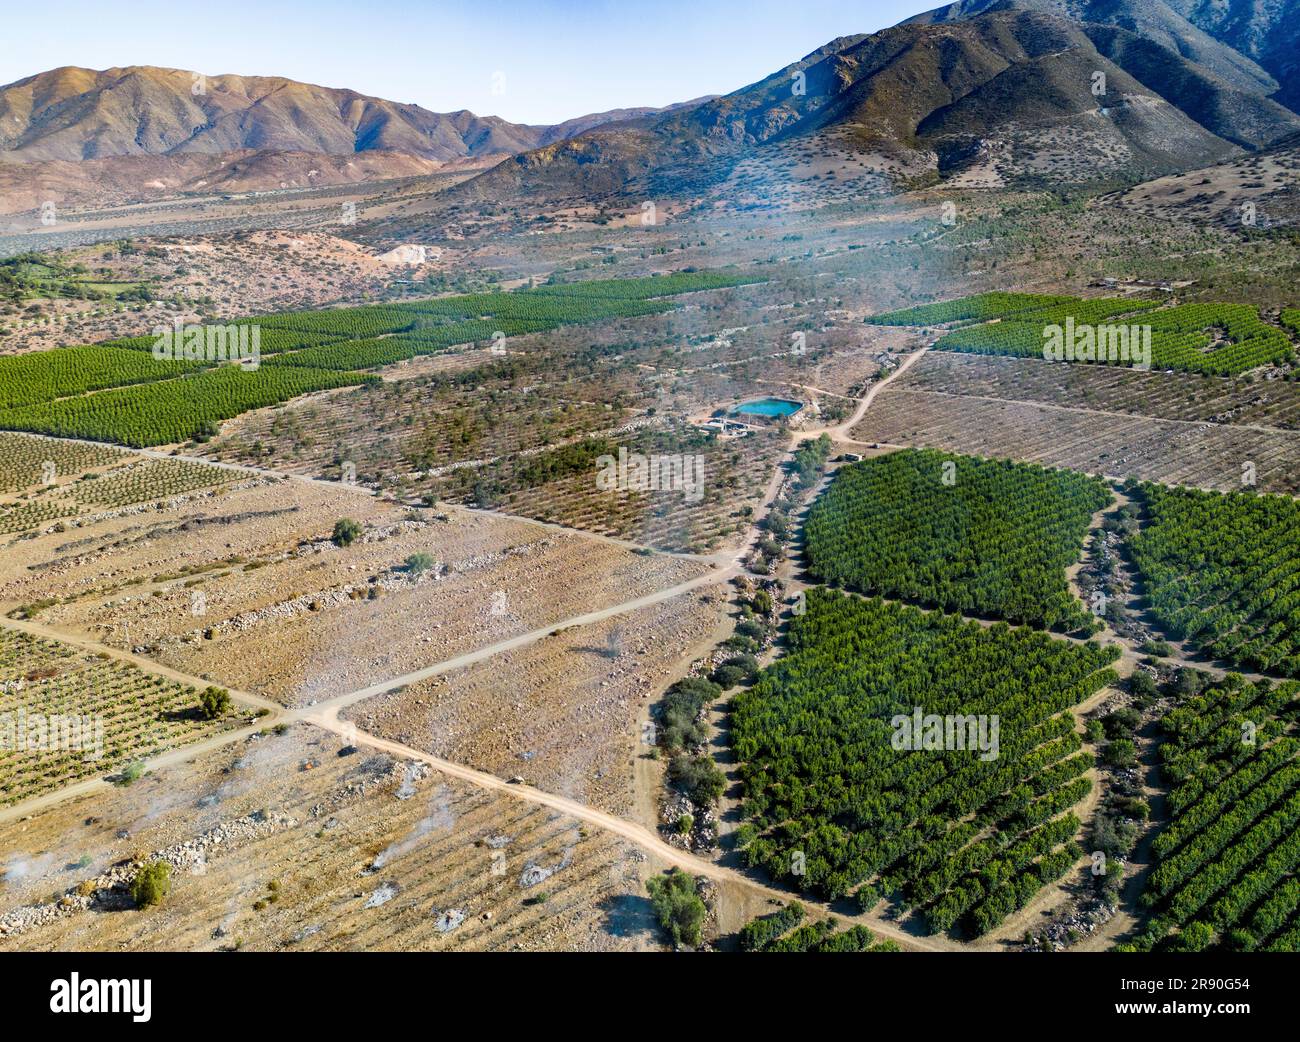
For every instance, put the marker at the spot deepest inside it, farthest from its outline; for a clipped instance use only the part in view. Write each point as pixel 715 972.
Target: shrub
pixel 748 663
pixel 346 531
pixel 1196 937
pixel 727 676
pixel 132 772
pixel 699 778
pixel 1122 722
pixel 418 564
pixel 1120 753
pixel 681 707
pixel 1142 683
pixel 214 702
pixel 678 907
pixel 1189 682
pixel 151 884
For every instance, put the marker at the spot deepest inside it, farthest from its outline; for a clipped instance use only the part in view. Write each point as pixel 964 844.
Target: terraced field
pixel 360 852
pixel 169 411
pixel 29 462
pixel 146 480
pixel 250 590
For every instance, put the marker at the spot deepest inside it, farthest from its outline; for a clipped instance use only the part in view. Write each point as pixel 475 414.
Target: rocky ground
pixel 290 841
pixel 562 713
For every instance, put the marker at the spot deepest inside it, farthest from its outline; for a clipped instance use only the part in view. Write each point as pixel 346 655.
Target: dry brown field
pixel 1201 454
pixel 562 713
pixel 358 852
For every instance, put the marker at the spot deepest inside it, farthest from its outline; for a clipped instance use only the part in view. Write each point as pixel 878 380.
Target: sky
pixel 530 62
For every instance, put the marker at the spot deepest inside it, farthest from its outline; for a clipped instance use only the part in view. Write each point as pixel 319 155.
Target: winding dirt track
pixel 725 565
pixel 633 833
pixel 842 432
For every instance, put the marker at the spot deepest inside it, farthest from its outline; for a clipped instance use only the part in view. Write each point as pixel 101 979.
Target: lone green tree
pixel 214 702
pixel 152 883
pixel 678 907
pixel 346 531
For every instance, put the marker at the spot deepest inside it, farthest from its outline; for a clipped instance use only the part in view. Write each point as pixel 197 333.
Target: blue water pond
pixel 767 407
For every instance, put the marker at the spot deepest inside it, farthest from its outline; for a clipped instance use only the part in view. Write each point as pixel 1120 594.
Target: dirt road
pixel 843 432
pixel 39 629
pixel 470 658
pixel 648 841
pixel 326 713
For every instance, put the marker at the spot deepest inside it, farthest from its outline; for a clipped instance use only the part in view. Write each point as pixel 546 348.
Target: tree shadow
pixel 628 915
pixel 189 715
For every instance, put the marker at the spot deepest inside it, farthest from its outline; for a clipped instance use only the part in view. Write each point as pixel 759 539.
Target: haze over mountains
pixel 1005 86
pixel 994 90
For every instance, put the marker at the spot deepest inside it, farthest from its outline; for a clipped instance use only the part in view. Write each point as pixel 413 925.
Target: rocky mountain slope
pixel 1010 87
pixel 76 114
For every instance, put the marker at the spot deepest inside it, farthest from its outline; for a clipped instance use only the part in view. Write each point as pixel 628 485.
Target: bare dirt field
pixel 164 540
pixel 249 590
pixel 562 713
pixel 1201 454
pixel 281 843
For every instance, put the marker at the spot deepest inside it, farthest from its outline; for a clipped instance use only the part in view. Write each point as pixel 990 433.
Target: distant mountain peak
pixel 1005 86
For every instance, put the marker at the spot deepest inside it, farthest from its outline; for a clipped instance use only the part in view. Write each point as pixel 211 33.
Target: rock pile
pixel 108 889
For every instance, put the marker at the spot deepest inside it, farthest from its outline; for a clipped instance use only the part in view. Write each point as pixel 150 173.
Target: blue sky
pixel 556 58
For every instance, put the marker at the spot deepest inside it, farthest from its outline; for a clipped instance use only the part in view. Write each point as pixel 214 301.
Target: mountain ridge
pixel 1249 44
pixel 72 113
pixel 1023 77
